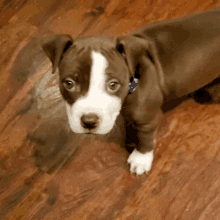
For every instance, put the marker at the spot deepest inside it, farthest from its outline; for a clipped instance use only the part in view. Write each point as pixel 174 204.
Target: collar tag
pixel 133 84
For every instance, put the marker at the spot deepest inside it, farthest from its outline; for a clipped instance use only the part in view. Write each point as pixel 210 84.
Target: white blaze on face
pixel 97 100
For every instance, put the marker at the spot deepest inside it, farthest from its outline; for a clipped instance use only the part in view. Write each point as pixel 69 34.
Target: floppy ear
pixel 132 48
pixel 140 52
pixel 143 63
pixel 55 47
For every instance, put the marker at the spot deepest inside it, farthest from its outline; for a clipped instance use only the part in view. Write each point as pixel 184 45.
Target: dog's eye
pixel 113 86
pixel 69 84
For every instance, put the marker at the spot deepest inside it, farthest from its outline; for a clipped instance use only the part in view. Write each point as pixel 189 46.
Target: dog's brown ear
pixel 55 47
pixel 141 57
pixel 132 48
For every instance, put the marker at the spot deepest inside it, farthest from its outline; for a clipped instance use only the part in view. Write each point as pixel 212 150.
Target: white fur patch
pixel 140 163
pixel 97 100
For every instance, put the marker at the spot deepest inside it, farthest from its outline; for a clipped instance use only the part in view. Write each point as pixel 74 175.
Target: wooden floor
pixel 46 172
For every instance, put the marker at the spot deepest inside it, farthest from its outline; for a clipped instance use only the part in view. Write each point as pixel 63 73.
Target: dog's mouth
pixel 89 133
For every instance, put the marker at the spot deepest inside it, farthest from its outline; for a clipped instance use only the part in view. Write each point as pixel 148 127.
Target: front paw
pixel 140 163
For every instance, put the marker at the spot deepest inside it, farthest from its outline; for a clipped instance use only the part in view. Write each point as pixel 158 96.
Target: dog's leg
pixel 141 158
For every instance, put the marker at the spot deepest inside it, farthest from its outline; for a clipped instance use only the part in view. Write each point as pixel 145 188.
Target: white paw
pixel 140 163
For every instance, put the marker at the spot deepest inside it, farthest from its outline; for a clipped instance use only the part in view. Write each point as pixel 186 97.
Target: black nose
pixel 89 121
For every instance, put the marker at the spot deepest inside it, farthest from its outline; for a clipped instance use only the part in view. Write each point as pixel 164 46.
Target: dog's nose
pixel 89 121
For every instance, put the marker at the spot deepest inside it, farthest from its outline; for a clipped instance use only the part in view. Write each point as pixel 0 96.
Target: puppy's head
pixel 93 79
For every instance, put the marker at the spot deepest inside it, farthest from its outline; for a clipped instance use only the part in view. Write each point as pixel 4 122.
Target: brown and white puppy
pixel 171 59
